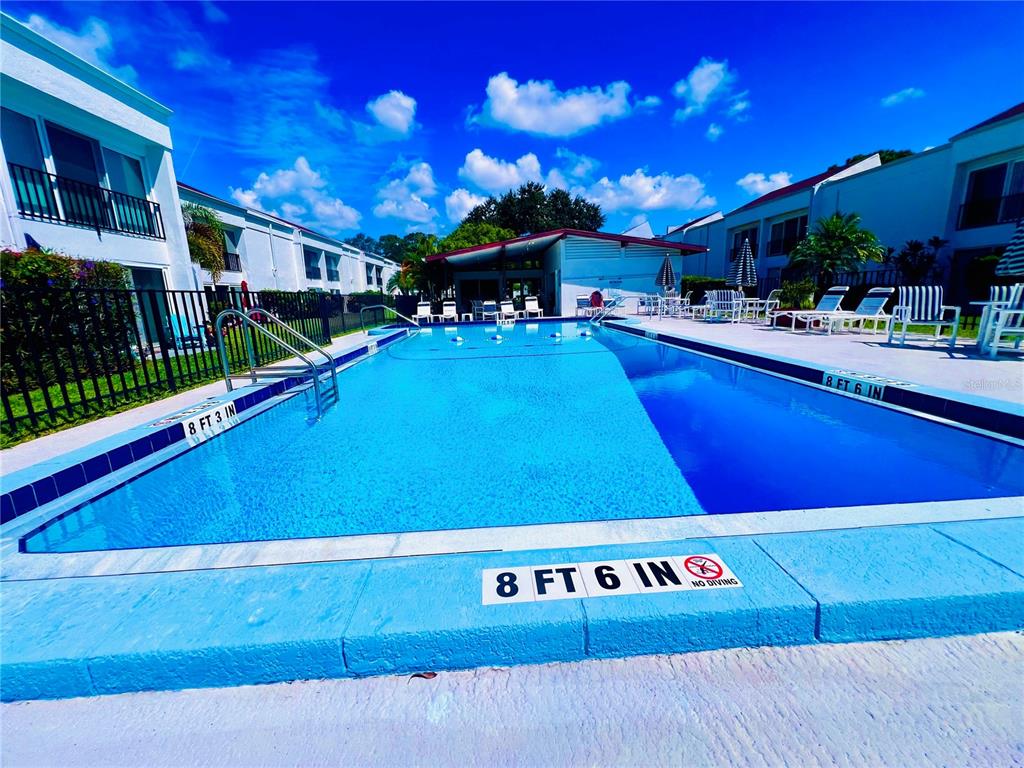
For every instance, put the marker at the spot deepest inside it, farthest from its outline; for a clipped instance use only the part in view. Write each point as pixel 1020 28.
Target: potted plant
pixel 795 294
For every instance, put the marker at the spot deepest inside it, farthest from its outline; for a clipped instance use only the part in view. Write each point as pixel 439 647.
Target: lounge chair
pixel 183 334
pixel 508 311
pixel 583 306
pixel 531 308
pixel 448 312
pixel 922 305
pixel 422 312
pixel 1007 321
pixel 871 307
pixel 489 310
pixel 827 307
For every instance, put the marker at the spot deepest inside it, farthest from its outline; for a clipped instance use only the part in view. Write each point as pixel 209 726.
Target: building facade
pixel 87 167
pixel 968 191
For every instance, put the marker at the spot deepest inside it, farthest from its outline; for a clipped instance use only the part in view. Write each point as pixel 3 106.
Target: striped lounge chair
pixel 922 305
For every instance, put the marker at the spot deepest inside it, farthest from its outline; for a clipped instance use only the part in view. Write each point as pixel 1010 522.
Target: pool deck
pixel 958 370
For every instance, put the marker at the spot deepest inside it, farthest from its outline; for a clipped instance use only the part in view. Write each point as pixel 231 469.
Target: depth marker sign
pixel 605 578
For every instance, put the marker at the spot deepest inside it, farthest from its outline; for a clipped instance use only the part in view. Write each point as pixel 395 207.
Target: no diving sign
pixel 605 578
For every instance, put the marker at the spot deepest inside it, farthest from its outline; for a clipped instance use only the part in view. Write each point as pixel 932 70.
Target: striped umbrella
pixel 743 273
pixel 1012 260
pixel 666 275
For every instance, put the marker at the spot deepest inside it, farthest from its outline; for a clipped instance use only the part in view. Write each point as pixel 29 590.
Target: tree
pixel 364 243
pixel 885 155
pixel 916 260
pixel 837 243
pixel 391 247
pixel 470 233
pixel 412 277
pixel 530 208
pixel 204 232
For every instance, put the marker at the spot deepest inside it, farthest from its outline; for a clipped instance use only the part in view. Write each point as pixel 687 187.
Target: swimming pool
pixel 551 422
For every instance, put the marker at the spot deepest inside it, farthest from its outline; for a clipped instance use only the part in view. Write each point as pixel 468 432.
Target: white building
pixel 969 191
pixel 557 266
pixel 87 167
pixel 267 252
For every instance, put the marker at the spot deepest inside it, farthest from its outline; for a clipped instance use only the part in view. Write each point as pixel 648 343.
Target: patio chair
pixel 489 310
pixel 1007 321
pixel 183 334
pixel 752 308
pixel 871 307
pixel 508 311
pixel 477 308
pixel 648 305
pixel 422 312
pixel 827 307
pixel 724 305
pixel 922 305
pixel 531 308
pixel 449 311
pixel 583 305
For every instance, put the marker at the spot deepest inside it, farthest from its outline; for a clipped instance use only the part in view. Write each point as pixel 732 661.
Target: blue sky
pixel 393 117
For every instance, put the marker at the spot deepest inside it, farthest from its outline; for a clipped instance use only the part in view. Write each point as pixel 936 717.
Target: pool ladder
pixel 392 310
pixel 613 303
pixel 273 328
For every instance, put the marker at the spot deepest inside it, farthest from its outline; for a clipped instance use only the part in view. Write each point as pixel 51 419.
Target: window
pixel 312 259
pixel 369 274
pixel 380 275
pixel 333 272
pixel 232 261
pixel 989 199
pixel 786 234
pixel 25 160
pixel 750 233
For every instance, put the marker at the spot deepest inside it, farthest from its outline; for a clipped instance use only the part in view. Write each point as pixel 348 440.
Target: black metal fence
pixel 70 355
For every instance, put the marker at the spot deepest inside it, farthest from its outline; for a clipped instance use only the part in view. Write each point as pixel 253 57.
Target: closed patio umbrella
pixel 1012 260
pixel 666 275
pixel 743 273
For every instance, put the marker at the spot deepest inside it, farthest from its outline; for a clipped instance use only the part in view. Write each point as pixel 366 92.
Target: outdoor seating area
pixel 480 311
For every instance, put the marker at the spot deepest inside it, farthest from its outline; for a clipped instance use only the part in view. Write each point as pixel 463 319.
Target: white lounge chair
pixel 489 311
pixel 871 307
pixel 922 305
pixel 422 312
pixel 508 311
pixel 827 307
pixel 531 308
pixel 449 312
pixel 1007 321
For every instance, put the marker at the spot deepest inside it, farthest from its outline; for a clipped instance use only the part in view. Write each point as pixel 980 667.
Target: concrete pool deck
pixel 952 701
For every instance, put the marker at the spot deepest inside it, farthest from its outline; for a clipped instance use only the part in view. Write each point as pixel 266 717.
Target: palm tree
pixel 204 232
pixel 837 243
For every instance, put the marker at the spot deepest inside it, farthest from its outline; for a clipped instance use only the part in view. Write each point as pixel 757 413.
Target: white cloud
pixel 301 194
pixel 648 103
pixel 460 202
pixel 92 42
pixel 900 96
pixel 538 107
pixel 405 198
pixel 394 118
pixel 759 184
pixel 739 106
pixel 578 166
pixel 707 82
pixel 640 191
pixel 496 176
pixel 714 131
pixel 213 14
pixel 188 59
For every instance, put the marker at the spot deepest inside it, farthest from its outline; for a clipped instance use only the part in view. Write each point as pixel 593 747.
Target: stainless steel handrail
pixel 248 321
pixel 301 337
pixel 362 325
pixel 613 303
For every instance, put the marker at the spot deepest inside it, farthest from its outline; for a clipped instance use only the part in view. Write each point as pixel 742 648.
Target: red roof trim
pixel 1006 114
pixel 561 233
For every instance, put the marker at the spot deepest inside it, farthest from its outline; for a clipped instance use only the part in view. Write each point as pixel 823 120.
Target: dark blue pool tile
pixel 70 479
pixel 141 448
pixel 159 440
pixel 120 457
pixel 45 490
pixel 96 467
pixel 24 499
pixel 6 508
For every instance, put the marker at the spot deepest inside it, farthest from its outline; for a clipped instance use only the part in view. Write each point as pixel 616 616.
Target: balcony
pixel 232 262
pixel 57 199
pixel 990 211
pixel 735 252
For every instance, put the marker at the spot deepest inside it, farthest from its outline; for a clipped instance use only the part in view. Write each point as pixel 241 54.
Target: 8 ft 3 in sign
pixel 605 578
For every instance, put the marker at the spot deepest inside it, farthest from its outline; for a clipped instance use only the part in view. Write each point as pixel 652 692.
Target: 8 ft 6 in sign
pixel 562 581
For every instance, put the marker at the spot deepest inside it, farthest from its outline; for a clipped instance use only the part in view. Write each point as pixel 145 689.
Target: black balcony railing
pixel 58 199
pixel 989 211
pixel 782 246
pixel 735 252
pixel 232 262
pixel 333 275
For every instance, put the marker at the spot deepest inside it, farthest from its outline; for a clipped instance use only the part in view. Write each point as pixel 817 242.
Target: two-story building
pixel 968 191
pixel 87 166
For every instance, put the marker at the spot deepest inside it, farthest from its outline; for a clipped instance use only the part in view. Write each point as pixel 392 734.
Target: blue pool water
pixel 433 434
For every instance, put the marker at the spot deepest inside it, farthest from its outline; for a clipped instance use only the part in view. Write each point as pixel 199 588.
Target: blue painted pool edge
pixel 116 634
pixel 980 413
pixel 62 476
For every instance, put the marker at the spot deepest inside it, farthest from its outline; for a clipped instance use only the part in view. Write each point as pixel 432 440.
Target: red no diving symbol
pixel 703 567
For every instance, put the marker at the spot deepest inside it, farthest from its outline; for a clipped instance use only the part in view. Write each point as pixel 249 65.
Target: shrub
pixel 47 269
pixel 797 294
pixel 700 284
